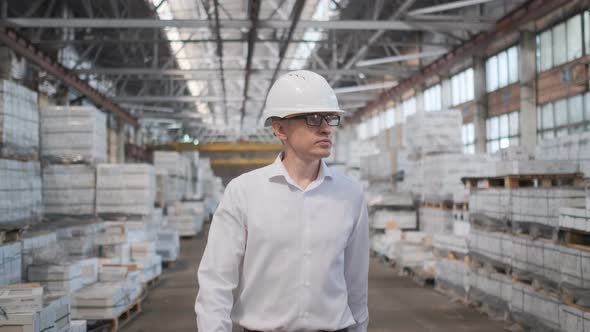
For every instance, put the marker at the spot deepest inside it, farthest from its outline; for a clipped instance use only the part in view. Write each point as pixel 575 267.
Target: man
pixel 291 237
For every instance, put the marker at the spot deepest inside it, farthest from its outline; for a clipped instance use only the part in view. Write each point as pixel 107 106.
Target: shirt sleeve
pixel 218 273
pixel 356 271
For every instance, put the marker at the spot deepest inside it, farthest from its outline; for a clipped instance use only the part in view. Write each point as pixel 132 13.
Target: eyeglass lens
pixel 316 120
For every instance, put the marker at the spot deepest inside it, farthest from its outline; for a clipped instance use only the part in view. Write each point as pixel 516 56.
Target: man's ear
pixel 278 127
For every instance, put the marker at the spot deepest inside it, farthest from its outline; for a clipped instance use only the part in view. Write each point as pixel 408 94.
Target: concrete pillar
pixel 528 98
pixel 481 103
pixel 121 139
pixel 445 91
pixel 419 99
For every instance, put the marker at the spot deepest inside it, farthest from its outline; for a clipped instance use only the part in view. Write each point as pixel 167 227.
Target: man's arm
pixel 218 273
pixel 356 271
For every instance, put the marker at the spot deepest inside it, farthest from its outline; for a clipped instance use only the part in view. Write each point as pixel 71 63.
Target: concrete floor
pixel 396 304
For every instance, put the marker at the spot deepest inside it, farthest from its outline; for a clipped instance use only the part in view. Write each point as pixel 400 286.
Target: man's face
pixel 306 139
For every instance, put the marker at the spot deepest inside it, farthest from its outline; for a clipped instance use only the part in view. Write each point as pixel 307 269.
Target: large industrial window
pixel 502 69
pixel 433 99
pixel 563 42
pixel 564 116
pixel 462 87
pixel 409 107
pixel 468 138
pixel 502 131
pixel 390 117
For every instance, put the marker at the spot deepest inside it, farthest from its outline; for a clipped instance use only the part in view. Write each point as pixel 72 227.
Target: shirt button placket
pixel 306 261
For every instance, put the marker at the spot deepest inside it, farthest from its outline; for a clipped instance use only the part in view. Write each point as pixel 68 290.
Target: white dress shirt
pixel 298 258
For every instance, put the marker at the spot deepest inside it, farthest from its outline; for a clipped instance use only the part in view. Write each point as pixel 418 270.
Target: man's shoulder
pixel 250 177
pixel 347 182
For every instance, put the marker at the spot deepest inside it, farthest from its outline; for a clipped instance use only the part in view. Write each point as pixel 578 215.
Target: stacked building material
pixel 78 241
pixel 20 191
pixel 73 134
pixel 574 148
pixel 69 190
pixel 10 263
pixel 168 244
pixel 125 189
pixel 57 277
pixel 19 122
pixel 187 217
pixel 105 300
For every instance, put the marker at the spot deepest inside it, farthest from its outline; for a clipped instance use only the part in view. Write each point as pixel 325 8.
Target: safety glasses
pixel 315 120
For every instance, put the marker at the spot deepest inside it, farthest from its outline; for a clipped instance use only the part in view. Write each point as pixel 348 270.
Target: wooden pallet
pixel 452 255
pixel 533 230
pixel 115 324
pixel 461 207
pixel 571 300
pixel 488 264
pixel 169 265
pixel 151 284
pixel 574 239
pixel 418 275
pixel 483 222
pixel 10 233
pixel 525 181
pixel 439 205
pixel 536 282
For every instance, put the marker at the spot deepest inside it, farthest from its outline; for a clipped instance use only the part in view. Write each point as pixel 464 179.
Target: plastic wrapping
pixel 187 217
pixel 434 133
pixel 168 244
pixel 74 134
pixel 574 265
pixel 20 191
pixel 541 206
pixel 450 242
pixel 490 203
pixel 128 189
pixel 19 121
pixel 10 263
pixel 78 326
pixel 442 174
pixel 173 163
pixel 573 319
pixel 575 148
pixel 493 289
pixel 539 258
pixel 104 300
pixel 574 218
pixel 452 273
pixel 39 249
pixel 69 189
pixel 537 309
pixel 491 245
pixel 435 221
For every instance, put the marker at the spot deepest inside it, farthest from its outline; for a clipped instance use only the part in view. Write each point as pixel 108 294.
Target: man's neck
pixel 302 171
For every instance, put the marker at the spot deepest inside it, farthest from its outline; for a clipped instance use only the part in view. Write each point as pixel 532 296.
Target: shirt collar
pixel 277 169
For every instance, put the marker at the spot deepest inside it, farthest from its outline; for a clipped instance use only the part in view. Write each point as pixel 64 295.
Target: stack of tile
pixel 113 243
pixel 57 277
pixel 39 248
pixel 19 122
pixel 10 263
pixel 168 244
pixel 69 190
pixel 23 310
pixel 20 191
pixel 125 189
pixel 73 134
pixel 79 241
pixel 187 217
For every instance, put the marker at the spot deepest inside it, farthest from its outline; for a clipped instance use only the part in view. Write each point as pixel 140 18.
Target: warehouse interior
pixel 467 126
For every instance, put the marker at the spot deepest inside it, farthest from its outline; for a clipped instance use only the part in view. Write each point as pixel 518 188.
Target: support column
pixel 419 99
pixel 528 97
pixel 445 91
pixel 481 103
pixel 121 139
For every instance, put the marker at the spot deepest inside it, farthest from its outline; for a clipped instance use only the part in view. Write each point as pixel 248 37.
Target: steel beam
pixel 446 6
pixel 529 11
pixel 254 13
pixel 206 73
pixel 23 47
pixel 363 50
pixel 296 14
pixel 219 52
pixel 137 23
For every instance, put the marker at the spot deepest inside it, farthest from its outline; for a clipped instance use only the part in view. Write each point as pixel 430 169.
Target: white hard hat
pixel 299 92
